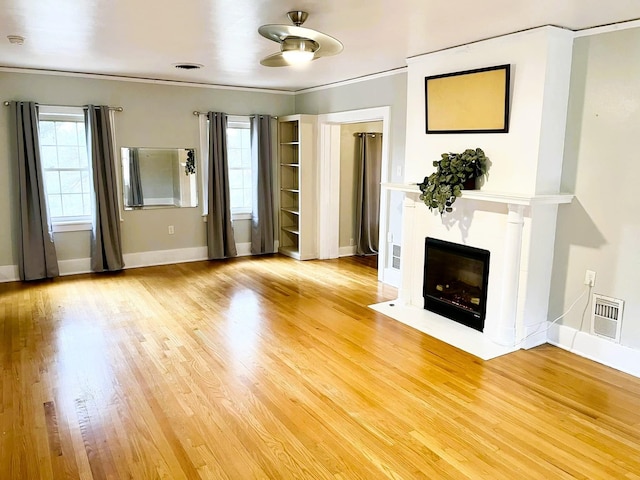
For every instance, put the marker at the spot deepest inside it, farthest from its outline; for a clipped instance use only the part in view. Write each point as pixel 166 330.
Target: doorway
pixel 330 126
pixel 350 145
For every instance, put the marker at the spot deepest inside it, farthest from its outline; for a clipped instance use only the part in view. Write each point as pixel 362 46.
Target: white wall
pixel 600 230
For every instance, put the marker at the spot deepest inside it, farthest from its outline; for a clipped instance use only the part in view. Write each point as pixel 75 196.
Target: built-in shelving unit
pixel 296 144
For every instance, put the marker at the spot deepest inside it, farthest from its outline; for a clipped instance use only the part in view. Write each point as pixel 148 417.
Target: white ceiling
pixel 145 39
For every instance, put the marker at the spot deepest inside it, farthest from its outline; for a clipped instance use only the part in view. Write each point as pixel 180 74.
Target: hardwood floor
pixel 276 369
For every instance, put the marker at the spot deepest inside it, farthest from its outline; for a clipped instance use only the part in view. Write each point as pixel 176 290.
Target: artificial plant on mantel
pixel 453 171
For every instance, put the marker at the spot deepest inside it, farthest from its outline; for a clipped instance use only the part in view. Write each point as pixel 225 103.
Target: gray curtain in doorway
pixel 106 239
pixel 262 231
pixel 220 239
pixel 369 160
pixel 37 254
pixel 136 198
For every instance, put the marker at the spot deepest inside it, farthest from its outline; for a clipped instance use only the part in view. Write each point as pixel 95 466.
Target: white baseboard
pixel 534 335
pixel 9 273
pixel 595 348
pixel 164 257
pixel 75 266
pixel 346 251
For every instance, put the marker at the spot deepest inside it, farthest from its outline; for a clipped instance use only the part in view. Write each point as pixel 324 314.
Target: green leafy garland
pixel 442 187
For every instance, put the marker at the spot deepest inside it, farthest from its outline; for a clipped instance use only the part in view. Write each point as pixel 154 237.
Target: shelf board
pixel 293 190
pixel 289 164
pixel 293 230
pixel 290 210
pixel 290 143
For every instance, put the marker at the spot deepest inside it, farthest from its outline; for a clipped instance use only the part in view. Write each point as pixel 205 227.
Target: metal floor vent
pixel 395 257
pixel 606 317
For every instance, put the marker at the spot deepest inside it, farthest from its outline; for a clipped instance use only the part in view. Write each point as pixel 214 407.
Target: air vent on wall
pixel 606 317
pixel 395 257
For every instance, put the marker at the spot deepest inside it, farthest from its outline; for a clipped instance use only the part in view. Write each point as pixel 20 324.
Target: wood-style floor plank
pixel 269 368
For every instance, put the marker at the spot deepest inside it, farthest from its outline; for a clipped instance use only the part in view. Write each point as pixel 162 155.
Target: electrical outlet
pixel 352 242
pixel 171 230
pixel 590 278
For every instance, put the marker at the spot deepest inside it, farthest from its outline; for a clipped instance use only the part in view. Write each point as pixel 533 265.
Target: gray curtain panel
pixel 220 240
pixel 106 241
pixel 37 254
pixel 262 231
pixel 369 161
pixel 136 198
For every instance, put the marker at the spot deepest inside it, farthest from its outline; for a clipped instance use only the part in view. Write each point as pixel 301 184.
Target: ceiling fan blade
pixel 278 33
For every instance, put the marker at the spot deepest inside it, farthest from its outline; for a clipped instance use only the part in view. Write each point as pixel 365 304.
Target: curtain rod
pixel 117 109
pixel 196 112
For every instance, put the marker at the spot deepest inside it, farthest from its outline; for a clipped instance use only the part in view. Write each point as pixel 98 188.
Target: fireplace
pixel 455 281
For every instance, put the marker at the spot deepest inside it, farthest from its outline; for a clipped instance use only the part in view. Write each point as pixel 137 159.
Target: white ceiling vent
pixel 606 317
pixel 188 66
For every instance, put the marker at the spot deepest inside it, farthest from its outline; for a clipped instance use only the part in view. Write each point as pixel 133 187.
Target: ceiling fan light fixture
pixel 298 50
pixel 296 57
pixel 297 44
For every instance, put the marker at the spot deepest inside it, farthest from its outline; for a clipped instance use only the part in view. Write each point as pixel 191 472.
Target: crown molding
pixel 364 78
pixel 118 78
pixel 613 27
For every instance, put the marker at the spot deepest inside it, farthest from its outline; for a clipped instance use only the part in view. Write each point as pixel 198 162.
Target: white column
pixel 505 330
pixel 407 255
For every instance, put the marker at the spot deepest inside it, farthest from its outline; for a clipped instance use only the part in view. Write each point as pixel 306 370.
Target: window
pixel 239 159
pixel 65 164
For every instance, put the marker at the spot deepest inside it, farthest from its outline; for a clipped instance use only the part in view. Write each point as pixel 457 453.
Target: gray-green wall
pixel 155 115
pixel 600 230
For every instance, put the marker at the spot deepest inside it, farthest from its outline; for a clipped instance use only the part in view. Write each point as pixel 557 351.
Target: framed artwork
pixel 473 101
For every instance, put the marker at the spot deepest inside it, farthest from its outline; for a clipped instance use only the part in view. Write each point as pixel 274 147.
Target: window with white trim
pixel 239 161
pixel 66 169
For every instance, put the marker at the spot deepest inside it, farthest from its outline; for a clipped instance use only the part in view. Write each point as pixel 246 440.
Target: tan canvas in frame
pixel 473 101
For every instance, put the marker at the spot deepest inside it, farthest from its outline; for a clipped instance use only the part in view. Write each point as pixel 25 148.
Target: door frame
pixel 329 179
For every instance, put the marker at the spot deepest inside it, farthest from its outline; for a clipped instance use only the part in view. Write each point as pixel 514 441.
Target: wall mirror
pixel 159 178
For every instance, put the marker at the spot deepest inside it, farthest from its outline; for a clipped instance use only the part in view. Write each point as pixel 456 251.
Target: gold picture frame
pixel 473 101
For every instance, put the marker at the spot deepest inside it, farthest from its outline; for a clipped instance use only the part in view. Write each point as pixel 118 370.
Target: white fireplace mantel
pixel 521 274
pixel 494 197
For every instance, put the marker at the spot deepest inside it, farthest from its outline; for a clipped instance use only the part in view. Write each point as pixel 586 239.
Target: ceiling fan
pixel 297 44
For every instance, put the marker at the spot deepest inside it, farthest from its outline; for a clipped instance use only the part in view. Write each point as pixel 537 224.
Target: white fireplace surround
pixel 518 231
pixel 514 214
